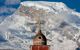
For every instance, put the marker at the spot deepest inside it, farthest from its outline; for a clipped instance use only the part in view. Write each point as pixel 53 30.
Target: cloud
pixel 12 2
pixel 9 7
pixel 6 10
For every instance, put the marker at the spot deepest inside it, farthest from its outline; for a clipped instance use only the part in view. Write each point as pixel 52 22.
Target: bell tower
pixel 39 41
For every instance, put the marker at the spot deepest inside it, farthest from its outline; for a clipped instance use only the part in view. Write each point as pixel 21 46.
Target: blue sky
pixel 7 7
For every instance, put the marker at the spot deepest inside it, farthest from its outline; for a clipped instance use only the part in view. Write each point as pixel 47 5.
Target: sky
pixel 8 7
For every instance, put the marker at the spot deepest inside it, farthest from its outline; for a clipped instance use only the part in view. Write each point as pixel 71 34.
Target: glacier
pixel 60 25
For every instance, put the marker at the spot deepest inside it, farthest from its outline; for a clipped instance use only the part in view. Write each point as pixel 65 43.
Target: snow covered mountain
pixel 60 25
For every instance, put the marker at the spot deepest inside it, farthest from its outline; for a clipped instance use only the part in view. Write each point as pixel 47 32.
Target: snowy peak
pixel 45 4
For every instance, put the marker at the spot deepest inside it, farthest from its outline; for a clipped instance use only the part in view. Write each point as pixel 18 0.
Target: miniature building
pixel 39 42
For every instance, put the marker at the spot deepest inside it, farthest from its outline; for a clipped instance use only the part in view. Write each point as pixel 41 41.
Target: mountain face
pixel 59 24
